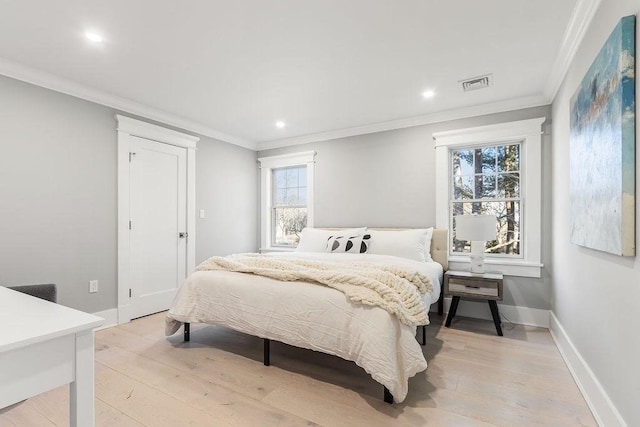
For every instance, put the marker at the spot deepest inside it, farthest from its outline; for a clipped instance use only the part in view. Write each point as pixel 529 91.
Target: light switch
pixel 201 213
pixel 93 286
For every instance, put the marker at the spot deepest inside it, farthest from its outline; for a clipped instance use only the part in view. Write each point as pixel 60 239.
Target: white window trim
pixel 529 133
pixel 267 164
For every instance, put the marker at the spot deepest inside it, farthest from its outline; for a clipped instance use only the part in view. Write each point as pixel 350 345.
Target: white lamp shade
pixel 475 227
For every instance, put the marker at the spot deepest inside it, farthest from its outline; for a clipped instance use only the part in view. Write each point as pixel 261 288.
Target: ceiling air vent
pixel 475 83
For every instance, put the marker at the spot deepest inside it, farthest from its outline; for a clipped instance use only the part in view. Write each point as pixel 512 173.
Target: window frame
pixel 522 190
pixel 267 165
pixel 275 205
pixel 529 134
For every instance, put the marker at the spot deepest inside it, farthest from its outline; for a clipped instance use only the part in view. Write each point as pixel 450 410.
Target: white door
pixel 158 207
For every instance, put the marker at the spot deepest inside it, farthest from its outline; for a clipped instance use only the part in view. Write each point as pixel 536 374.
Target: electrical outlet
pixel 93 286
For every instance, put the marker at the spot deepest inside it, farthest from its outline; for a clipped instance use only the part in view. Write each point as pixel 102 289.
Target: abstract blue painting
pixel 602 148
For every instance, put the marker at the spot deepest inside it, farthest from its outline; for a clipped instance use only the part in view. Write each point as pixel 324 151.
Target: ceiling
pixel 231 69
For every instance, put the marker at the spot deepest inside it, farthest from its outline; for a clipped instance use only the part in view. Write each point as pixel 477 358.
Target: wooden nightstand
pixel 486 286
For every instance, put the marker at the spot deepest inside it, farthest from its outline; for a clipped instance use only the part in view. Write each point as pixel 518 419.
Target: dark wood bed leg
pixel 187 332
pixel 424 334
pixel 267 357
pixel 388 398
pixel 441 305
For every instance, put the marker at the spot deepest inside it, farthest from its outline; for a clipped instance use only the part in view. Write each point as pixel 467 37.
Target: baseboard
pixel 603 409
pixel 509 313
pixel 110 316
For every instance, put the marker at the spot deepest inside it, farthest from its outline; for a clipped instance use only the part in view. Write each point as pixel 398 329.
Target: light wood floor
pixel 474 378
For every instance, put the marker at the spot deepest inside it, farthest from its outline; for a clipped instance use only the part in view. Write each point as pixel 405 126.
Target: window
pixel 493 169
pixel 486 180
pixel 289 205
pixel 286 199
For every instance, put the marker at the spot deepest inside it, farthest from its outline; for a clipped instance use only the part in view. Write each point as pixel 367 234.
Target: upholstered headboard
pixel 440 247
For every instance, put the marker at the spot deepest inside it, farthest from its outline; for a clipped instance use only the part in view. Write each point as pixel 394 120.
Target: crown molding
pixel 443 116
pixel 62 85
pixel 581 18
pixel 58 84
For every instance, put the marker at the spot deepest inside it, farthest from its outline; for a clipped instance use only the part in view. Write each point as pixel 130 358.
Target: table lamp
pixel 477 229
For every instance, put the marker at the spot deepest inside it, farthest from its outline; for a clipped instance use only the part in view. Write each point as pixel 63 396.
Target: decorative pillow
pixel 348 243
pixel 414 244
pixel 315 239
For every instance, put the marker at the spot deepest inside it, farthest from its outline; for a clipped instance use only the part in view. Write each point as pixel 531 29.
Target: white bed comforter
pixel 310 315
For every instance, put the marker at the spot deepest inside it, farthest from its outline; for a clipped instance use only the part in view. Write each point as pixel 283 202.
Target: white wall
pixel 58 204
pixel 57 194
pixel 227 178
pixel 387 179
pixel 596 295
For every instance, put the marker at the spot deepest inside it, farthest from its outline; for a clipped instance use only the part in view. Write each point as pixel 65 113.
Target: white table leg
pixel 82 398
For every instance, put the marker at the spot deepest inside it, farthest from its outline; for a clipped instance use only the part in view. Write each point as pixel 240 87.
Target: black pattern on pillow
pixel 349 244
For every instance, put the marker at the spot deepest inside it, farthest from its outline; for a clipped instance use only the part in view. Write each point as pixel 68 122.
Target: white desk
pixel 43 346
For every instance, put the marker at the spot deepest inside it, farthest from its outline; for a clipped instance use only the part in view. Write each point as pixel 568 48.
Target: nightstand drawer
pixel 474 288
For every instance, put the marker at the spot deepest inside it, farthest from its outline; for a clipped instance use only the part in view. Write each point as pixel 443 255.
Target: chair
pixel 46 292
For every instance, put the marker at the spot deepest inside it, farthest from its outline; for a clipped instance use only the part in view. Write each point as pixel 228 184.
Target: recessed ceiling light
pixel 93 37
pixel 428 94
pixel 280 124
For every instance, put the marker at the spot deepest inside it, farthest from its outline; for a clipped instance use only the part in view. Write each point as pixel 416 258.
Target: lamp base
pixel 477 256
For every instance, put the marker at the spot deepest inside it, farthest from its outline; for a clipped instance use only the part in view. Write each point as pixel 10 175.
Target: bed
pixel 320 317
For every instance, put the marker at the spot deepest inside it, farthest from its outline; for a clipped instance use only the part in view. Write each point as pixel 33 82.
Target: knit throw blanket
pixel 397 290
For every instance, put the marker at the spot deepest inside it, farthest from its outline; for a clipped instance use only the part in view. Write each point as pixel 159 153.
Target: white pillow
pixel 427 247
pixel 315 239
pixel 412 244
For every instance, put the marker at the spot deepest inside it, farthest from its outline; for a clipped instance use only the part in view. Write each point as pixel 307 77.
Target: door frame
pixel 128 127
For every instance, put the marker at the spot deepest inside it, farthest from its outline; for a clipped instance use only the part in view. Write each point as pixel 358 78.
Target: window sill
pixel 276 249
pixel 519 268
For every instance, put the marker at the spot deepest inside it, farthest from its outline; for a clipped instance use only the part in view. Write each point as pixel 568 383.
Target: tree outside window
pixel 289 205
pixel 486 180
